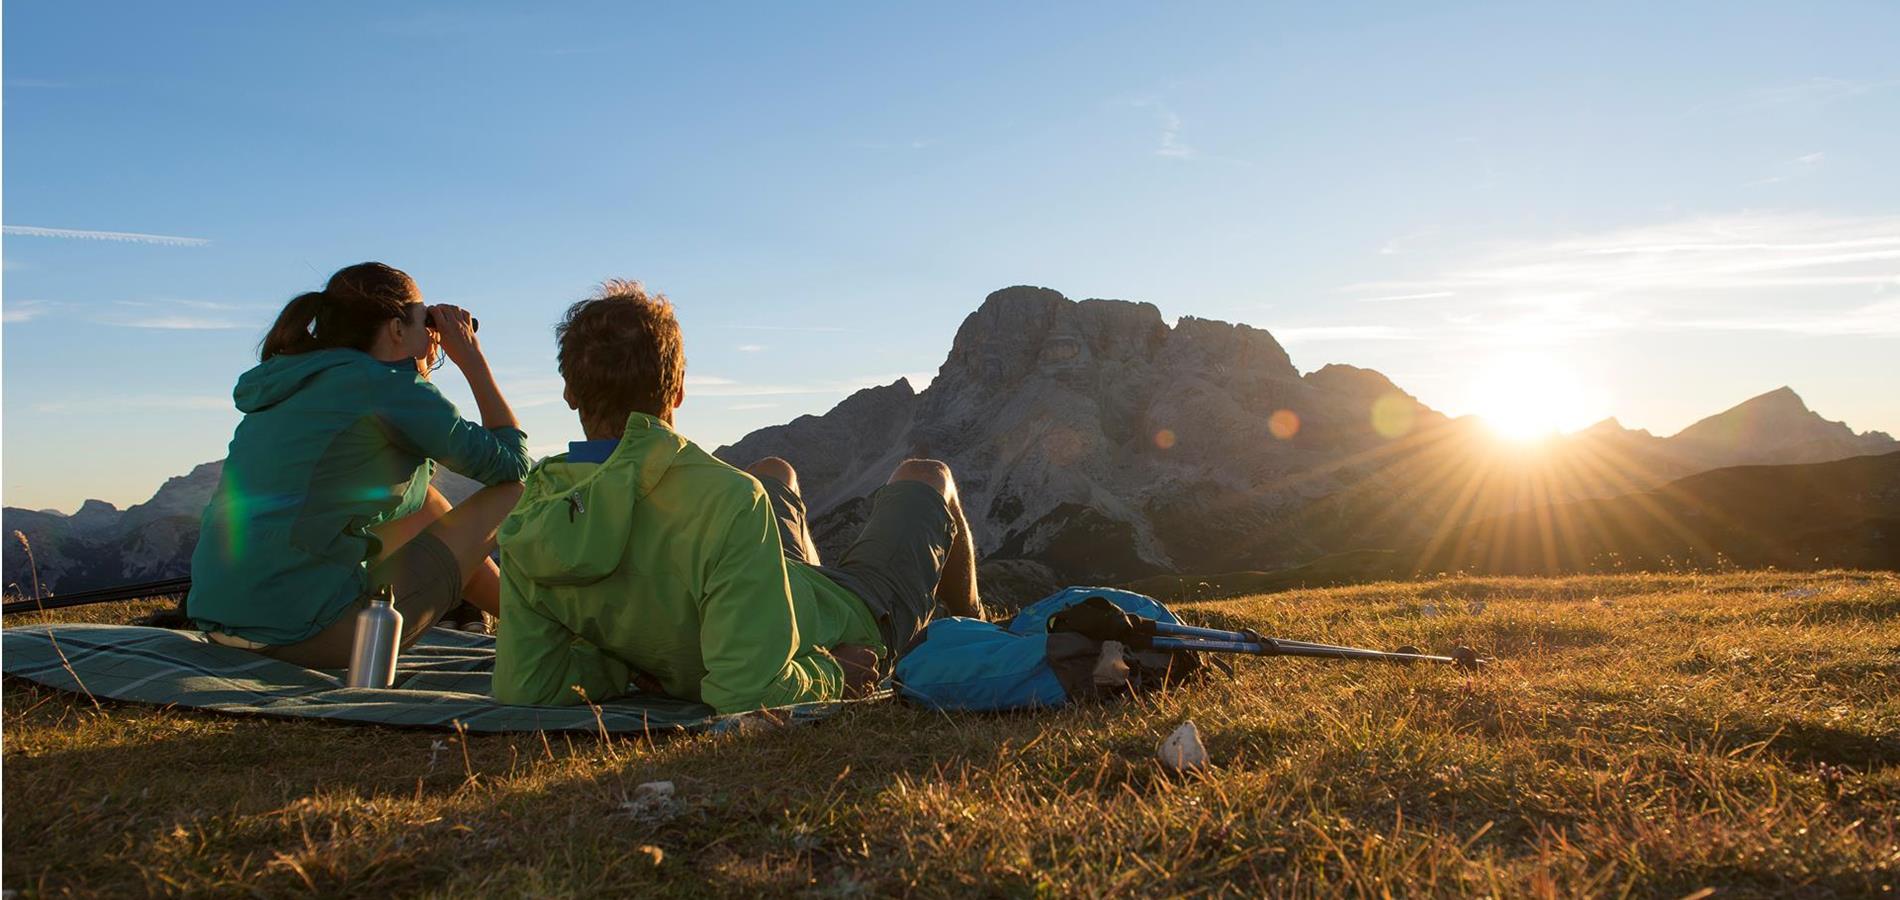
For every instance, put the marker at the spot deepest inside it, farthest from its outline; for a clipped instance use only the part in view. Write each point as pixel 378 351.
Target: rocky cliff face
pixel 1093 437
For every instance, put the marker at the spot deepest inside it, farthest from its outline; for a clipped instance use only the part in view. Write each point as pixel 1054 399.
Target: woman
pixel 325 494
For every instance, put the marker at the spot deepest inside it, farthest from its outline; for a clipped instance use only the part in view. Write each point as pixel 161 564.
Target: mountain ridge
pixel 1095 442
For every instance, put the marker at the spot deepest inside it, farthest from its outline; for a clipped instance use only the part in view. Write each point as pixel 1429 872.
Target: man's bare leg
pixel 782 471
pixel 956 587
pixel 860 663
pixel 776 468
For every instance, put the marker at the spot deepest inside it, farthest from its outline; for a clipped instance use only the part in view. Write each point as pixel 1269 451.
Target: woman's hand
pixel 455 328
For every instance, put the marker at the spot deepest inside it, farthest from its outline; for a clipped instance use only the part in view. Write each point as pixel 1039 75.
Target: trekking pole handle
pixel 1212 634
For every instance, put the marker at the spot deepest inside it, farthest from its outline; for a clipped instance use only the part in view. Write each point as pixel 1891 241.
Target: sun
pixel 1527 397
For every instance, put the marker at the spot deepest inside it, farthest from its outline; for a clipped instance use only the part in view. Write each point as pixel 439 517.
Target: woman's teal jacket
pixel 332 444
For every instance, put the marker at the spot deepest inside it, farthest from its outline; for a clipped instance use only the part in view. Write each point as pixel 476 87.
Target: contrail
pixel 132 237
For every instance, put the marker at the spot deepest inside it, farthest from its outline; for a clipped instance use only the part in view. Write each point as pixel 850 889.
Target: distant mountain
pixel 1776 427
pixel 1093 438
pixel 1095 443
pixel 1844 513
pixel 100 546
pixel 1427 485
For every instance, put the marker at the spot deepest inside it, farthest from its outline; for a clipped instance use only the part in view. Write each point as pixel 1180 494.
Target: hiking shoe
pixel 466 618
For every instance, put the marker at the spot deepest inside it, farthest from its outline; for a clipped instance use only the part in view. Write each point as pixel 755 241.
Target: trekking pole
pixel 1097 618
pixel 140 591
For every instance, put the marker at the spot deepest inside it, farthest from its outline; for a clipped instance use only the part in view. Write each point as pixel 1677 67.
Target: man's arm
pixel 748 635
pixel 538 661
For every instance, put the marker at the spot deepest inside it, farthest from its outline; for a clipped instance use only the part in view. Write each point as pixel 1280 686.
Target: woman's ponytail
pixel 346 313
pixel 295 328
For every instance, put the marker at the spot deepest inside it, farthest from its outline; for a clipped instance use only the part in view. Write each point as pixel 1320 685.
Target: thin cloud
pixel 726 387
pixel 750 348
pixel 1313 333
pixel 1799 167
pixel 1407 242
pixel 1873 320
pixel 1426 295
pixel 188 304
pixel 823 329
pixel 912 144
pixel 1169 142
pixel 170 322
pixel 1816 91
pixel 130 237
pixel 17 311
pixel 1803 274
pixel 138 403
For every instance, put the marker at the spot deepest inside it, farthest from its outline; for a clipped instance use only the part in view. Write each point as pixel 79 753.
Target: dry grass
pixel 1640 735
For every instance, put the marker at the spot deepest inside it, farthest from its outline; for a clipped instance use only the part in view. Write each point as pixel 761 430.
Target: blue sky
pixel 1660 211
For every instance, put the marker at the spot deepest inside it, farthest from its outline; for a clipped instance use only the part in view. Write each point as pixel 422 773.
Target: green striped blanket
pixel 441 682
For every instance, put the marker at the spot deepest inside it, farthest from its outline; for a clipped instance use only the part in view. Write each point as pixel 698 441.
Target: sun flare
pixel 1525 397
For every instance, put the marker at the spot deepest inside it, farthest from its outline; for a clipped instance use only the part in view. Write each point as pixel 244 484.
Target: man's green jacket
pixel 662 560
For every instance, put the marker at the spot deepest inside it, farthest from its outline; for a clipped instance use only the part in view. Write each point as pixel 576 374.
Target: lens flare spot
pixel 1164 439
pixel 1392 416
pixel 1283 424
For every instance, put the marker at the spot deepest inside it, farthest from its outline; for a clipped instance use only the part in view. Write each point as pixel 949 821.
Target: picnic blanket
pixel 441 682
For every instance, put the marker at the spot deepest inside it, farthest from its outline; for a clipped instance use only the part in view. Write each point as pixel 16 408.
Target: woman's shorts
pixel 428 583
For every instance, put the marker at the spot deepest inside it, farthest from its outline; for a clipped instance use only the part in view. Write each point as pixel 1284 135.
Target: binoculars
pixel 474 324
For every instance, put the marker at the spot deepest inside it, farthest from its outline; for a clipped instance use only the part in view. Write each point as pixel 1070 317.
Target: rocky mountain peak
pixel 1021 331
pixel 1095 418
pixel 95 507
pixel 1609 425
pixel 1782 399
pixel 1352 381
pixel 1775 426
pixel 1613 428
pixel 1233 348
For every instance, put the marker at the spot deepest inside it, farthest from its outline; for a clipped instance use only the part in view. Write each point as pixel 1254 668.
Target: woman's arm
pixel 416 417
pixel 457 331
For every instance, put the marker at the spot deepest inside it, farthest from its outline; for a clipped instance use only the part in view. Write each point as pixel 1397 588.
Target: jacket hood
pixel 573 521
pixel 274 380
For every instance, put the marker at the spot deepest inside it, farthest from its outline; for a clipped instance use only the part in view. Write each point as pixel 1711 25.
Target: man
pixel 638 554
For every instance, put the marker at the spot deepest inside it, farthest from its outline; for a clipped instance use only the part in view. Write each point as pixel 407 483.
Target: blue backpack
pixel 969 664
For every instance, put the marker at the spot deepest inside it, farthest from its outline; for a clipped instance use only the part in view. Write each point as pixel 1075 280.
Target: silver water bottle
pixel 378 638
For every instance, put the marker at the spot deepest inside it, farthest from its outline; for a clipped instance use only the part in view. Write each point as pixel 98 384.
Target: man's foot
pixel 860 669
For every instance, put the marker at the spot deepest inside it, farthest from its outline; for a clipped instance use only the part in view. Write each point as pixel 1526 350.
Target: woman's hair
pixel 346 313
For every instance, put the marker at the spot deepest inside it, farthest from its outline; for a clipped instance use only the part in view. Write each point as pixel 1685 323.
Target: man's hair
pixel 621 353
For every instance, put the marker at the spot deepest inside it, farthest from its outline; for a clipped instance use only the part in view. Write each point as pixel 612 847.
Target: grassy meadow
pixel 1638 735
